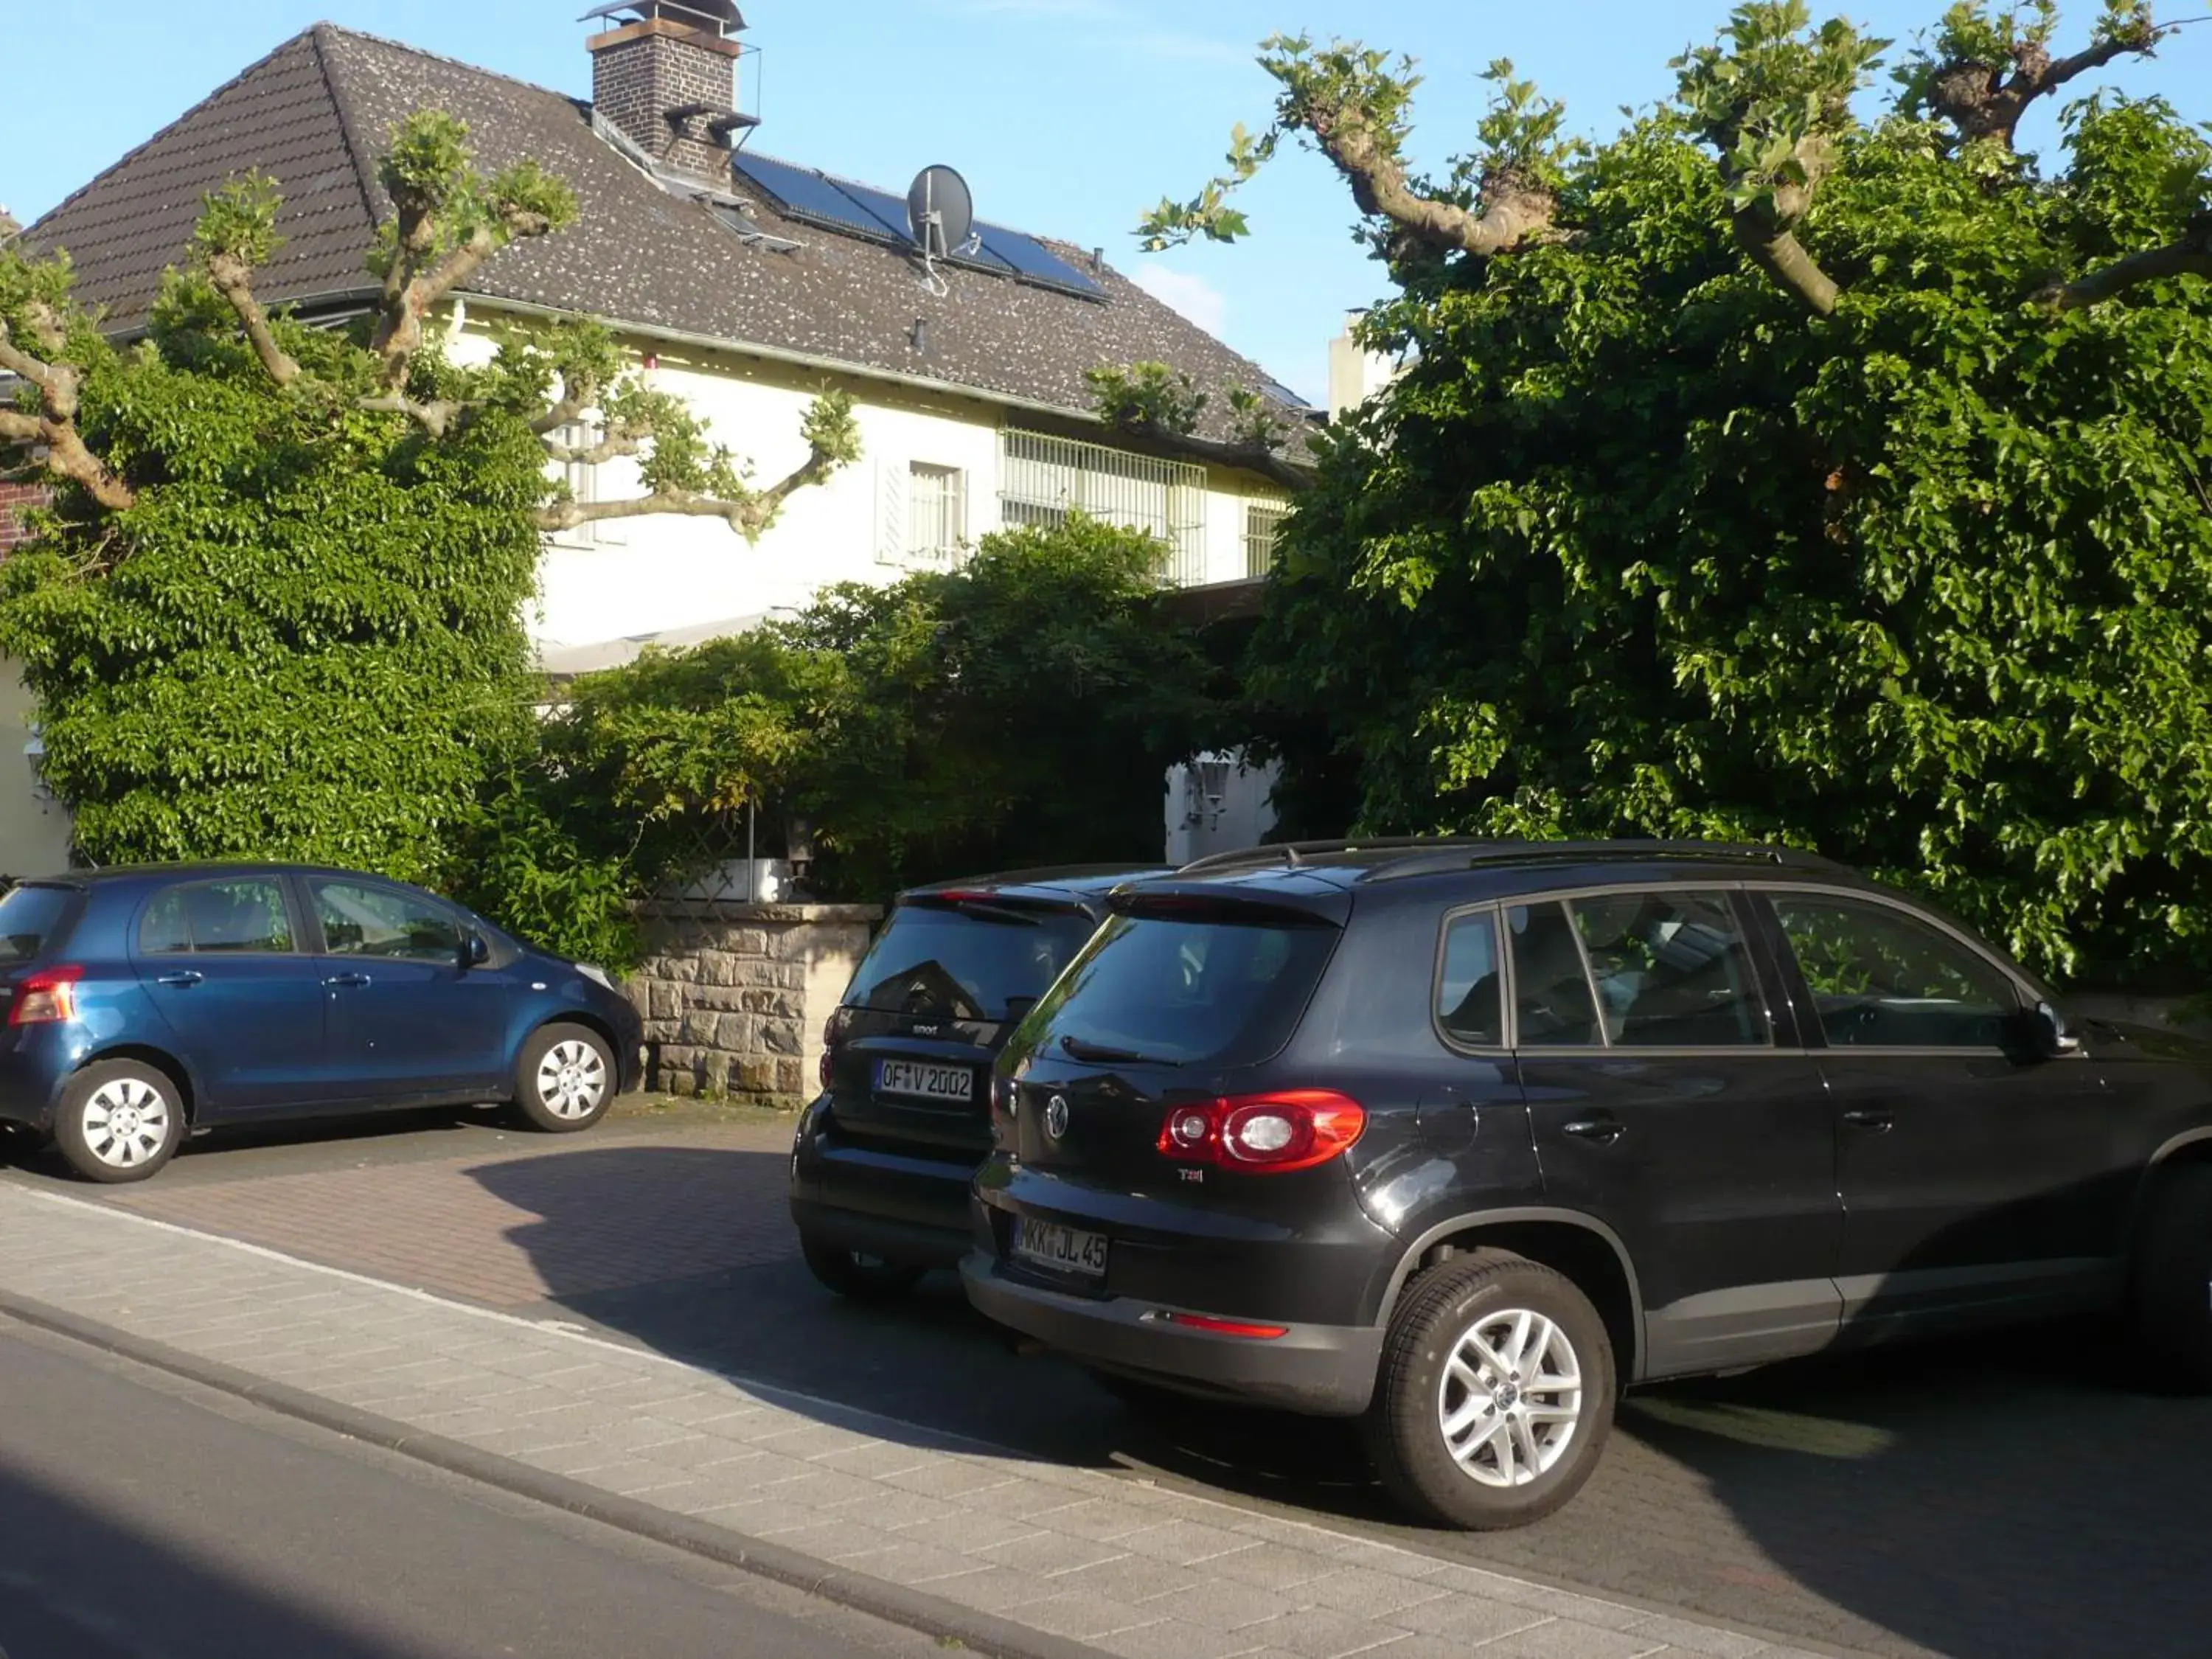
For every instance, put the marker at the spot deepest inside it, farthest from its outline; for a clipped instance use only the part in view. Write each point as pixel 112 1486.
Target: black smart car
pixel 1461 1139
pixel 881 1161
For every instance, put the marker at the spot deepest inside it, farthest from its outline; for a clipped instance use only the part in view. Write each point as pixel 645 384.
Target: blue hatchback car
pixel 146 1003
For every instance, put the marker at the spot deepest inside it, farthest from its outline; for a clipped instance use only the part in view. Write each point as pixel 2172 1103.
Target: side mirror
pixel 2051 1037
pixel 476 951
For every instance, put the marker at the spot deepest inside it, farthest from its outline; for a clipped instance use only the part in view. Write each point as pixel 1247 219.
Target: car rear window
pixel 1181 992
pixel 29 917
pixel 977 962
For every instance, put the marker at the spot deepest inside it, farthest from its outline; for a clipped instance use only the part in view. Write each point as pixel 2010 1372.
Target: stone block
pixel 667 1001
pixel 755 1076
pixel 780 1037
pixel 698 1027
pixel 737 1034
pixel 790 1077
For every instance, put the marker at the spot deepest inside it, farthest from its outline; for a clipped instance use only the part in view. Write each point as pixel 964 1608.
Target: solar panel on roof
pixel 805 194
pixel 1029 259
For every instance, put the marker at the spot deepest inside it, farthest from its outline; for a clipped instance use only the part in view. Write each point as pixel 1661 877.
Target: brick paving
pixel 563 1218
pixel 1131 1569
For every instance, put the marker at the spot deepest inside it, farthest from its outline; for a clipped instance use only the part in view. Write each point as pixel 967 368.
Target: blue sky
pixel 1068 117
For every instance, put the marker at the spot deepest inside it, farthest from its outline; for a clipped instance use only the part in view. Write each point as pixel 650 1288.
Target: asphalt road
pixel 141 1517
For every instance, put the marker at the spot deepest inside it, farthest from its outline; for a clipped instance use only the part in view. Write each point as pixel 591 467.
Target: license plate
pixel 1064 1250
pixel 953 1084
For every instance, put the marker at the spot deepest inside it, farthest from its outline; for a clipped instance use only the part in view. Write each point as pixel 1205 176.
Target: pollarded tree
pixel 1780 468
pixel 277 606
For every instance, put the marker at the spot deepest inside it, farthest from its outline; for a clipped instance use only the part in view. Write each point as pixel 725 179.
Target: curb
pixel 932 1615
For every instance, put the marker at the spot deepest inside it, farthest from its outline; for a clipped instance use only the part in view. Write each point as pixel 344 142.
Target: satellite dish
pixel 940 213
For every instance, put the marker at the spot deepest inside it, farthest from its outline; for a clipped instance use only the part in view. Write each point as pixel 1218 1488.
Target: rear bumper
pixel 1324 1370
pixel 36 1061
pixel 892 1204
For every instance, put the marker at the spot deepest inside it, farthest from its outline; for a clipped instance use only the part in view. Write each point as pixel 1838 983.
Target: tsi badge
pixel 1055 1116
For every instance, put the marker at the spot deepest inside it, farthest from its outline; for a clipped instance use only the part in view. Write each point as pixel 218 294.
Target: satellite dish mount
pixel 941 214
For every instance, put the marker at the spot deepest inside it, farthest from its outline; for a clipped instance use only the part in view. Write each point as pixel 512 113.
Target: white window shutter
pixel 890 512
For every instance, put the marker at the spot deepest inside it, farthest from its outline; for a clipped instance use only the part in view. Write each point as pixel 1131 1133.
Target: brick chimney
pixel 667 76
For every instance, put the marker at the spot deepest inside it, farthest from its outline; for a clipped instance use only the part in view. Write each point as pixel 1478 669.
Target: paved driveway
pixel 2005 1501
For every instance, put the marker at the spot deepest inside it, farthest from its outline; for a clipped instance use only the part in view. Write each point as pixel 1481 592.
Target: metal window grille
pixel 1263 525
pixel 937 513
pixel 1042 479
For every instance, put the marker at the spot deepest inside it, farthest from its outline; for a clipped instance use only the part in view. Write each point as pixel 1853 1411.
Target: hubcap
pixel 572 1080
pixel 125 1122
pixel 1510 1399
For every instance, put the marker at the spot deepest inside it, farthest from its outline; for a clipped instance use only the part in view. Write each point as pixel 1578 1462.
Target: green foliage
pixel 1019 710
pixel 437 193
pixel 303 639
pixel 1636 547
pixel 1153 395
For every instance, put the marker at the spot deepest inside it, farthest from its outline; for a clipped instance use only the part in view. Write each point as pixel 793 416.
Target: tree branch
pixel 2189 256
pixel 435 418
pixel 234 279
pixel 1777 250
pixel 412 292
pixel 53 430
pixel 1986 104
pixel 614 447
pixel 1515 212
pixel 750 515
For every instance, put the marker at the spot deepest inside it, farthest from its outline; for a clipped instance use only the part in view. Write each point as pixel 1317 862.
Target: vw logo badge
pixel 1055 1116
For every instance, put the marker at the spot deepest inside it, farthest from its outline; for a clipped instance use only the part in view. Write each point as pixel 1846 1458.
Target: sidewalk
pixel 1007 1554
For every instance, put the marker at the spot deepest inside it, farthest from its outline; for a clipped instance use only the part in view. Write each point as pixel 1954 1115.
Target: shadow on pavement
pixel 2010 1499
pixel 78 1584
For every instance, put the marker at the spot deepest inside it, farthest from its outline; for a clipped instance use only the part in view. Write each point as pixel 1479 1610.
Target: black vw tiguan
pixel 883 1158
pixel 1461 1139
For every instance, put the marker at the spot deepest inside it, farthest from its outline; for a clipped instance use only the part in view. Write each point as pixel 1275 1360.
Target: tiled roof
pixel 316 113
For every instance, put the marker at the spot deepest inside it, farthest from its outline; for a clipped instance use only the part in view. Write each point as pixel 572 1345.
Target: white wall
pixel 34 830
pixel 1245 816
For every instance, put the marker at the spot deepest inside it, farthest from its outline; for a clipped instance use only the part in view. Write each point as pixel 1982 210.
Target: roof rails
pixel 1432 854
pixel 1295 853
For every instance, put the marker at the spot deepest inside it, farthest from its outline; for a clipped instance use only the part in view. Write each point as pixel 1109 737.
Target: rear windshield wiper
pixel 1102 1053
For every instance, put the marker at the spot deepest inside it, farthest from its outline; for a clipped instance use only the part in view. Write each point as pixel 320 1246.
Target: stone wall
pixel 734 996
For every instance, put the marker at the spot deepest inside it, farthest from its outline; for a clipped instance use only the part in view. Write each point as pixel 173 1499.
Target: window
pixel 1551 1005
pixel 29 916
pixel 245 916
pixel 1468 1004
pixel 937 512
pixel 1193 992
pixel 584 480
pixel 1883 978
pixel 382 922
pixel 1263 524
pixel 936 963
pixel 1671 970
pixel 1042 479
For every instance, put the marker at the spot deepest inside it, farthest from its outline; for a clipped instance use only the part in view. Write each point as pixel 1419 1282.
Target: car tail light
pixel 833 1033
pixel 1225 1326
pixel 1270 1133
pixel 47 997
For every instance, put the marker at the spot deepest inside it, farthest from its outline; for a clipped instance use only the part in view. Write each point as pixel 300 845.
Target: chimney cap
pixel 722 15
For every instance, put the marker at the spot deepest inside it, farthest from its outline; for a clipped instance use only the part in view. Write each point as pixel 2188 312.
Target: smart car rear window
pixel 974 963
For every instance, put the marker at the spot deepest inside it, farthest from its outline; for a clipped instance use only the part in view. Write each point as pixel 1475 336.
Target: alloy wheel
pixel 572 1078
pixel 1510 1399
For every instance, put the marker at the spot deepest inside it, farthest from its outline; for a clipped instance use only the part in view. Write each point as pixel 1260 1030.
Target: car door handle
pixel 1867 1118
pixel 184 978
pixel 1603 1130
pixel 347 978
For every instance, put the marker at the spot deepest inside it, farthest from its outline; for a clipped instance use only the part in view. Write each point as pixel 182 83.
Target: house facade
pixel 744 282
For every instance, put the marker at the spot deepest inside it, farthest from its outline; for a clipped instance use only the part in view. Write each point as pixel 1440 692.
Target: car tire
pixel 2171 1292
pixel 564 1079
pixel 855 1275
pixel 1473 1331
pixel 119 1121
